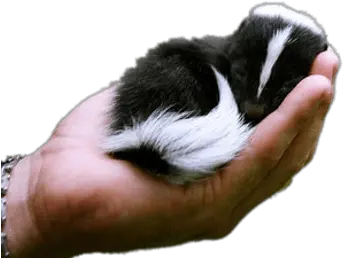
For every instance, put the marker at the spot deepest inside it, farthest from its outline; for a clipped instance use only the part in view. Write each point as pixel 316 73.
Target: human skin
pixel 68 198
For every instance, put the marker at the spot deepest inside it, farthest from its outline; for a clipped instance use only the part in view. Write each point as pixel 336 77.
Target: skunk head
pixel 270 53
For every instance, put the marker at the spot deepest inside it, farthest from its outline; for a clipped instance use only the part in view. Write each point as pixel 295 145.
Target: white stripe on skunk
pixel 275 47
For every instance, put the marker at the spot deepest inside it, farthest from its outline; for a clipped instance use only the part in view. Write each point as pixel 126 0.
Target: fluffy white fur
pixel 275 47
pixel 289 15
pixel 194 146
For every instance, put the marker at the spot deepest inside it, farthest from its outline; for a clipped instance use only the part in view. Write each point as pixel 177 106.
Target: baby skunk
pixel 189 106
pixel 272 51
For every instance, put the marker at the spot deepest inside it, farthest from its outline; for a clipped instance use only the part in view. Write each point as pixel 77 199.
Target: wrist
pixel 22 235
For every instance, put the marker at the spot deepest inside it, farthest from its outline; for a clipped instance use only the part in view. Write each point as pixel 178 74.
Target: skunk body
pixel 183 98
pixel 189 106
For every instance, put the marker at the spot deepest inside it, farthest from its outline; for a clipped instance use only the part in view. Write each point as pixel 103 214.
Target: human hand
pixel 68 198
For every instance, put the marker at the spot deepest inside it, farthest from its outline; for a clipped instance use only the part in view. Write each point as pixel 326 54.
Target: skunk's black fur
pixel 183 76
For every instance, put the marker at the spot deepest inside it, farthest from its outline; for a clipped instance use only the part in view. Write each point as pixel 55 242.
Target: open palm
pixel 83 201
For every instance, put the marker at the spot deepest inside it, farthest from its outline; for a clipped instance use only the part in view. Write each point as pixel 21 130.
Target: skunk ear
pixel 233 40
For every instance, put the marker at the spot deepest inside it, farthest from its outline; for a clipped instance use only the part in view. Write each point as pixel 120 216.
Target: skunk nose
pixel 253 110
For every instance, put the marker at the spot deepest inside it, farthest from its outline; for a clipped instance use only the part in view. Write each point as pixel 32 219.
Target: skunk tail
pixel 183 148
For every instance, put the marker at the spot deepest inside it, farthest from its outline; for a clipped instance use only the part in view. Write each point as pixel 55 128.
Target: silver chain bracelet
pixel 6 169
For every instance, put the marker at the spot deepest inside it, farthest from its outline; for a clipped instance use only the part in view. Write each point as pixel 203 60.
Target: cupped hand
pixel 71 198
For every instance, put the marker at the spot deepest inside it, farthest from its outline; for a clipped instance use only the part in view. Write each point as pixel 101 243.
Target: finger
pixel 275 134
pixel 295 158
pixel 302 148
pixel 293 114
pixel 326 64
